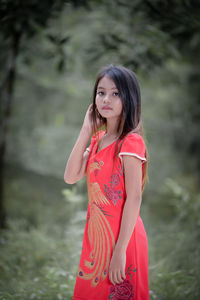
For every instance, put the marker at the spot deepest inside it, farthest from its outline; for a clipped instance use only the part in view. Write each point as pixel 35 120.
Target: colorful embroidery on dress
pixel 100 234
pixel 111 193
pixel 124 290
pixel 96 166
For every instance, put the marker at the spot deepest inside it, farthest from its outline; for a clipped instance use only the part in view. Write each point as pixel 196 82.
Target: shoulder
pixel 133 145
pixel 134 139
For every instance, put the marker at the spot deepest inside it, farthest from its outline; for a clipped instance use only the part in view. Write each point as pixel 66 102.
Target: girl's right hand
pixel 87 123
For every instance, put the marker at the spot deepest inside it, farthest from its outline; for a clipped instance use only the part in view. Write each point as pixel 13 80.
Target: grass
pixel 40 250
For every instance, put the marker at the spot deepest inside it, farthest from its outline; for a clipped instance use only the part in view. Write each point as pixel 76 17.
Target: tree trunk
pixel 6 98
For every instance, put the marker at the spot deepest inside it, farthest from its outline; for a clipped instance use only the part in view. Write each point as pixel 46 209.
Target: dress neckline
pixel 104 147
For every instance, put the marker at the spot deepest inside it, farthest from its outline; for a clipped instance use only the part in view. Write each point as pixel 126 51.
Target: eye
pixel 100 93
pixel 116 94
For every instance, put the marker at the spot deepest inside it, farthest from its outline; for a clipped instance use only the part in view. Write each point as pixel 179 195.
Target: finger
pixel 111 277
pixel 115 277
pixel 119 277
pixel 123 275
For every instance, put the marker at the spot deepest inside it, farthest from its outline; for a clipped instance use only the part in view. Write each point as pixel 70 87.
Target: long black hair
pixel 129 92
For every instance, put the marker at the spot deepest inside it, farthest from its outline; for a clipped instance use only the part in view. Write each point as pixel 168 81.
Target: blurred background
pixel 50 53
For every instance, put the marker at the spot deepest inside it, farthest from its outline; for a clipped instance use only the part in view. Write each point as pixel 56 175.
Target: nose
pixel 106 99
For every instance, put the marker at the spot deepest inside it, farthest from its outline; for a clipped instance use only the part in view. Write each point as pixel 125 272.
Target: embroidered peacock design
pixel 100 235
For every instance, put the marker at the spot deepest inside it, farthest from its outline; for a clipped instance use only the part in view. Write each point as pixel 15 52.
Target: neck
pixel 111 128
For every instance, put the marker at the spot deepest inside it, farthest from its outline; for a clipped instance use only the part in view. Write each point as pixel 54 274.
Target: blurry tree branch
pixel 22 20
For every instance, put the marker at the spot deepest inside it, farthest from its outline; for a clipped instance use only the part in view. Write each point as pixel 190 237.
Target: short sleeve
pixel 133 145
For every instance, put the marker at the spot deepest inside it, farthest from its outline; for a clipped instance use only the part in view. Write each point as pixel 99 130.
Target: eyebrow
pixel 100 87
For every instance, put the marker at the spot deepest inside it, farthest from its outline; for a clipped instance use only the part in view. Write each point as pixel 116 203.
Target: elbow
pixel 69 180
pixel 132 201
pixel 138 200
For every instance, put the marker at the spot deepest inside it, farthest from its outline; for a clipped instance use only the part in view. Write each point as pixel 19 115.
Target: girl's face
pixel 108 100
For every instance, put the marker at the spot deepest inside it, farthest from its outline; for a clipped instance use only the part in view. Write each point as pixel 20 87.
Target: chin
pixel 105 113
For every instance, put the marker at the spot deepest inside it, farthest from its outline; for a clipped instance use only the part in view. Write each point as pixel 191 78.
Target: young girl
pixel 114 259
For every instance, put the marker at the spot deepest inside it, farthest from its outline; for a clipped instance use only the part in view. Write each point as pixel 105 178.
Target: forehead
pixel 106 83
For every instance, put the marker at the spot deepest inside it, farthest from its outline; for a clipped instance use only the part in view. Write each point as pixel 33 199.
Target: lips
pixel 106 108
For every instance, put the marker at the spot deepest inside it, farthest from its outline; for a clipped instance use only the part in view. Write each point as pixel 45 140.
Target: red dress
pixel 106 198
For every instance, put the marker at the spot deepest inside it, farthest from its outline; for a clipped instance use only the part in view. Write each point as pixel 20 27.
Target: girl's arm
pixel 76 164
pixel 133 185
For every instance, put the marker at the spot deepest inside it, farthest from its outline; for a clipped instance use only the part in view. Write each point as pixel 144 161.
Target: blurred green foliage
pixel 39 253
pixel 174 244
pixel 40 250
